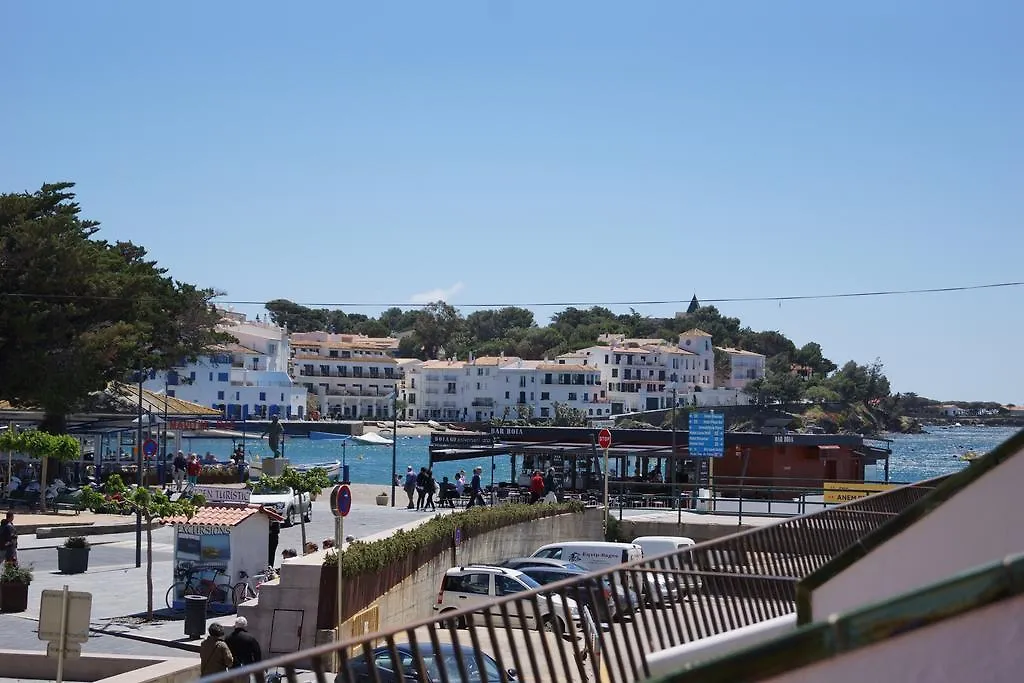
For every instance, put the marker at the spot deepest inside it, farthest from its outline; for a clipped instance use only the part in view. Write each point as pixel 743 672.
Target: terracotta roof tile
pixel 223 515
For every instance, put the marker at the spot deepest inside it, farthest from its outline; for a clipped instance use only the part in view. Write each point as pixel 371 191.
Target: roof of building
pixel 386 360
pixel 442 364
pixel 233 347
pixel 695 332
pixel 566 367
pixel 491 360
pixel 738 352
pixel 223 514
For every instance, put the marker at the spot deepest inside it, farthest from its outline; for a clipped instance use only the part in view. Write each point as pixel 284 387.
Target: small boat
pixel 321 436
pixel 333 468
pixel 371 439
pixel 971 456
pixel 383 425
pixel 436 426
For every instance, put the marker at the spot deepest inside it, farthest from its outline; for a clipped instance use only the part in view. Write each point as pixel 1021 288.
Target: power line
pixel 554 304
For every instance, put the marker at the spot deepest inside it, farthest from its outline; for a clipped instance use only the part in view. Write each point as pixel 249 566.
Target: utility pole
pixel 141 461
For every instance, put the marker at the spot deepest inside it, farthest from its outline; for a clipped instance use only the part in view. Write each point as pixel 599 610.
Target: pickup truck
pixel 285 502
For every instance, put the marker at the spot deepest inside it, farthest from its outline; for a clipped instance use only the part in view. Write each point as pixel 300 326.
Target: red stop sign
pixel 604 438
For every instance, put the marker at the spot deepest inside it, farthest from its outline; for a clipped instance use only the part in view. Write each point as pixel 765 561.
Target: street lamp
pixel 394 442
pixel 139 460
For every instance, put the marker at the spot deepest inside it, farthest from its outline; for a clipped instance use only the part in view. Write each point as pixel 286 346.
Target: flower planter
pixel 13 596
pixel 383 499
pixel 72 560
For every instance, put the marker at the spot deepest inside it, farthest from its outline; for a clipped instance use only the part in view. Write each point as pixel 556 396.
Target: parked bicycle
pixel 249 587
pixel 189 579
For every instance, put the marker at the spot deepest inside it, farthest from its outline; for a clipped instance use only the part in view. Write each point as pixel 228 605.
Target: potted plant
pixel 14 581
pixel 383 498
pixel 73 557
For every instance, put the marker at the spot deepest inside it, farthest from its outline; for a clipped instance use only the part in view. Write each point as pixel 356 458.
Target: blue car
pixel 383 661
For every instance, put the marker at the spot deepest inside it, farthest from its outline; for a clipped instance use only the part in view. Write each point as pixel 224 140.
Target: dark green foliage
pixel 363 558
pixel 77 312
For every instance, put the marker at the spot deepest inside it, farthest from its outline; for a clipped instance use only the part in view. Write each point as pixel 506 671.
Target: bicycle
pixel 249 586
pixel 189 581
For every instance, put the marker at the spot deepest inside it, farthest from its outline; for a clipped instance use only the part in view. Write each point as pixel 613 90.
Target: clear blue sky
pixel 551 151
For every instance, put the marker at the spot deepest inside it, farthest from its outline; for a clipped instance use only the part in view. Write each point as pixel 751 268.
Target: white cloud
pixel 439 294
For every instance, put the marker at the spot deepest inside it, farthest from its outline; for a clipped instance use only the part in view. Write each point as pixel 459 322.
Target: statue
pixel 274 430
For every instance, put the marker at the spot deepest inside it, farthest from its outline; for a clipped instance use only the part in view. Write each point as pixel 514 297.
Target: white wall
pixel 980 524
pixel 250 543
pixel 983 646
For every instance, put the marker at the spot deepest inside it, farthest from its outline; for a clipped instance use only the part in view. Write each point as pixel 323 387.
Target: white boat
pixel 436 426
pixel 372 439
pixel 333 468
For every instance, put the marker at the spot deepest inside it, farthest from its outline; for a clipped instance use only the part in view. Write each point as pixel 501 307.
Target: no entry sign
pixel 604 439
pixel 341 500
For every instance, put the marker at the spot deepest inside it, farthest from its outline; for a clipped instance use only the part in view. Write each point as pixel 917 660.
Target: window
pixel 479 584
pixel 572 395
pixel 506 395
pixel 553 553
pixel 170 393
pixel 545 412
pixel 606 359
pixel 211 376
pixel 220 395
pixel 479 371
pixel 615 372
pixel 545 396
pixel 547 378
pixel 504 585
pixel 222 377
pixel 263 396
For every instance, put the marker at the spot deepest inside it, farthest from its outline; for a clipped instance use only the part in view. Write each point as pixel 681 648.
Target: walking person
pixel 245 649
pixel 536 487
pixel 9 540
pixel 214 654
pixel 410 485
pixel 421 487
pixel 195 468
pixel 476 491
pixel 430 488
pixel 180 464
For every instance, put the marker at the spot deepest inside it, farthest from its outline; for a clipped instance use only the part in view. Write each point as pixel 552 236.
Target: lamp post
pixel 394 441
pixel 140 461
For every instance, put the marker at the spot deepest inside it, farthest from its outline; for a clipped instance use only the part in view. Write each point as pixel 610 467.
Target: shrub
pixel 368 558
pixel 15 573
pixel 76 542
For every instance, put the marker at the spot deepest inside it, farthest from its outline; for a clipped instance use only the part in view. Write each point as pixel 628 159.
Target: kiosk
pixel 221 541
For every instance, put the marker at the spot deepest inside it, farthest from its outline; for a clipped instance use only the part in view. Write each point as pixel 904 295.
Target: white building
pixel 353 376
pixel 744 367
pixel 245 380
pixel 489 387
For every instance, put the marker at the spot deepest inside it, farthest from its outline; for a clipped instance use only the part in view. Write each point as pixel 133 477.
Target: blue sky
pixel 556 151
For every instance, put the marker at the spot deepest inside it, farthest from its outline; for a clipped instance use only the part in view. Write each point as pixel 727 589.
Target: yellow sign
pixel 843 493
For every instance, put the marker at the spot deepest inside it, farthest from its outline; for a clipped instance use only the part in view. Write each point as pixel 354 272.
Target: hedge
pixel 373 557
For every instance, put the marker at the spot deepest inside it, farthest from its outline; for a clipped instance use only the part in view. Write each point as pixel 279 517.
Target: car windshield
pixel 575 567
pixel 529 581
pixel 269 490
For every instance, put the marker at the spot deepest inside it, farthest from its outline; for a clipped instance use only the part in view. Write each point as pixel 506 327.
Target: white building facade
pixel 353 376
pixel 744 367
pixel 244 380
pixel 490 387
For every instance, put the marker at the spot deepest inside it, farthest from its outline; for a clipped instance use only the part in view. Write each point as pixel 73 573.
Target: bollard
pixel 195 616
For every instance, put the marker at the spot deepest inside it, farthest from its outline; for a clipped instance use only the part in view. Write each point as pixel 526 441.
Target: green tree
pixel 43 446
pixel 304 482
pixel 567 416
pixel 436 326
pixel 77 312
pixel 151 505
pixel 810 355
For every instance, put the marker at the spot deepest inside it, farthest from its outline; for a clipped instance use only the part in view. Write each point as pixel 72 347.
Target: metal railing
pixel 664 601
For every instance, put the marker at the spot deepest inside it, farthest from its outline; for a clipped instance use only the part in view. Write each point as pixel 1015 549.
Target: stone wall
pixel 17 664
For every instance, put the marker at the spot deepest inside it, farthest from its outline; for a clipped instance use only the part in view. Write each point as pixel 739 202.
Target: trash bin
pixel 195 616
pixel 344 474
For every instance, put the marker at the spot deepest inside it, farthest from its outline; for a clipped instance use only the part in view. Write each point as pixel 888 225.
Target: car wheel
pixel 552 624
pixel 309 513
pixel 289 517
pixel 460 622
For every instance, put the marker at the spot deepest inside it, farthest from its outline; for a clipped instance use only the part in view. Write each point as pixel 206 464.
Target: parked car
pixel 662 545
pixel 520 562
pixel 478 586
pixel 446 655
pixel 284 501
pixel 609 597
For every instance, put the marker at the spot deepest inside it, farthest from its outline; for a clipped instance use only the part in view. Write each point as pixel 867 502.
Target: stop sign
pixel 604 438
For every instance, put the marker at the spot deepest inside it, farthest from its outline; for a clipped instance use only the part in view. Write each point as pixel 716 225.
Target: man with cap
pixel 410 485
pixel 180 465
pixel 245 649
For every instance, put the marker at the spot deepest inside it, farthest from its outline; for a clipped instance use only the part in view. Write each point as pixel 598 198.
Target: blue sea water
pixel 914 457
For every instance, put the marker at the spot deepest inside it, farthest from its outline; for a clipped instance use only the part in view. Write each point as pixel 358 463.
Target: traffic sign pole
pixel 604 440
pixel 341 505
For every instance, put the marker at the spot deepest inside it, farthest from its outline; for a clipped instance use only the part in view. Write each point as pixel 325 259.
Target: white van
pixel 655 546
pixel 592 555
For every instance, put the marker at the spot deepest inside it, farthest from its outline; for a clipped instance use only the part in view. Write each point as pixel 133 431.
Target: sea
pixel 914 456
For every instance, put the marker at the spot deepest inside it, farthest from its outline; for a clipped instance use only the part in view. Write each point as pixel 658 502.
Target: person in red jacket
pixel 195 468
pixel 536 487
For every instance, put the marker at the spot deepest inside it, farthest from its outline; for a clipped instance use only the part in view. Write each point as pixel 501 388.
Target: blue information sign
pixel 707 435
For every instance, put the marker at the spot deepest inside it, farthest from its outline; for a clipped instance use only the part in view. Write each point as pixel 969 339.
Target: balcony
pixel 432 390
pixel 450 392
pixel 450 378
pixel 483 402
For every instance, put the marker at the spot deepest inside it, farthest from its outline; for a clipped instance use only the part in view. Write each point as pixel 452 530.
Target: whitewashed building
pixel 245 380
pixel 353 376
pixel 744 367
pixel 489 387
